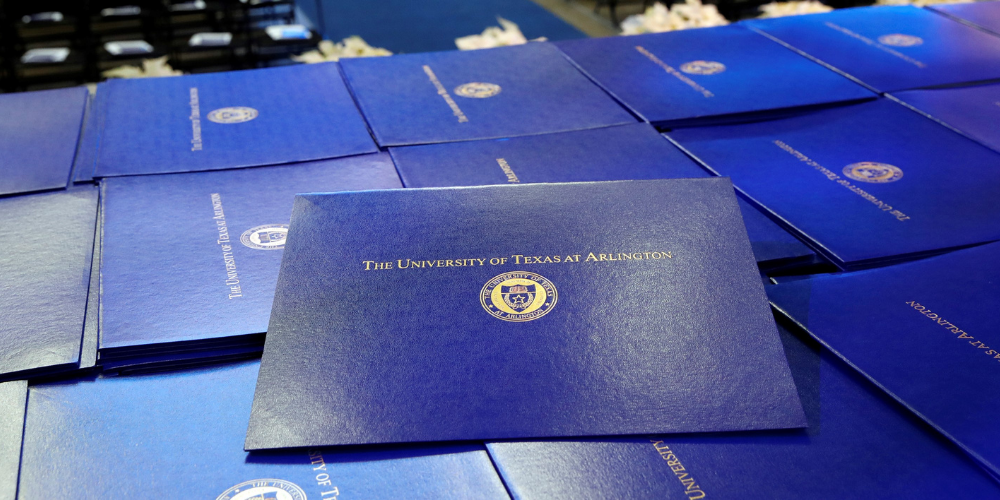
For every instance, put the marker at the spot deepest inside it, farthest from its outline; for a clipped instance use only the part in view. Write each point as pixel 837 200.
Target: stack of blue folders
pixel 754 261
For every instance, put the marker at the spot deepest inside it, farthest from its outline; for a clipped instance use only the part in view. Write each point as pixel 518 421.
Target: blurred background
pixel 53 43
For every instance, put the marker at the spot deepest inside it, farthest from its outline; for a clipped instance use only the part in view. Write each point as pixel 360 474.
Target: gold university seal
pixel 478 90
pixel 900 40
pixel 267 237
pixel 703 67
pixel 518 296
pixel 238 114
pixel 874 172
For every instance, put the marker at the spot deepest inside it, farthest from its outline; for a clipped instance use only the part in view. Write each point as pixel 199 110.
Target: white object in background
pixel 507 34
pixel 128 47
pixel 782 9
pixel 353 46
pixel 658 18
pixel 919 3
pixel 288 32
pixel 47 17
pixel 208 39
pixel 45 56
pixel 126 10
pixel 150 68
pixel 188 6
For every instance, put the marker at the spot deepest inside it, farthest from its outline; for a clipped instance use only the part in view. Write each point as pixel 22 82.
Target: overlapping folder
pixel 985 15
pixel 859 442
pixel 627 152
pixel 972 111
pixel 189 261
pixel 869 184
pixel 487 273
pixel 228 120
pixel 484 94
pixel 711 75
pixel 39 132
pixel 13 398
pixel 46 268
pixel 122 437
pixel 925 332
pixel 85 162
pixel 539 310
pixel 891 48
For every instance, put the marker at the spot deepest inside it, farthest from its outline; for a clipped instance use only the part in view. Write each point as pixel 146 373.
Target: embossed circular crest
pixel 237 114
pixel 874 172
pixel 267 237
pixel 276 489
pixel 900 40
pixel 703 67
pixel 518 296
pixel 478 90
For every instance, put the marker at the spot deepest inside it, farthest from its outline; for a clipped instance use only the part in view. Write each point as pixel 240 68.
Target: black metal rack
pixel 85 26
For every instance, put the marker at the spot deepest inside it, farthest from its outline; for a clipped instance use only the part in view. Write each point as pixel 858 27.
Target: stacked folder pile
pixel 756 261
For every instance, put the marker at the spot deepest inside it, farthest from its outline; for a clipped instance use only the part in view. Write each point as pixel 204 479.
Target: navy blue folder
pixel 13 397
pixel 892 48
pixel 859 443
pixel 38 138
pixel 228 120
pixel 927 332
pixel 481 94
pixel 536 310
pixel 90 135
pixel 45 265
pixel 190 260
pixel 92 322
pixel 973 111
pixel 868 183
pixel 985 15
pixel 178 435
pixel 627 152
pixel 693 77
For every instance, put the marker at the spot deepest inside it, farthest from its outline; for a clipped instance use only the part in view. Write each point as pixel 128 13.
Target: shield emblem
pixel 518 297
pixel 271 236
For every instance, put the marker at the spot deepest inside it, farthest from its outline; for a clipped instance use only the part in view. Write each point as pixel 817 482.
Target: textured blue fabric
pixel 527 89
pixel 657 342
pixel 927 332
pixel 178 435
pixel 809 171
pixel 892 48
pixel 38 138
pixel 986 15
pixel 163 258
pixel 859 444
pixel 696 76
pixel 13 396
pixel 289 114
pixel 972 111
pixel 45 265
pixel 627 152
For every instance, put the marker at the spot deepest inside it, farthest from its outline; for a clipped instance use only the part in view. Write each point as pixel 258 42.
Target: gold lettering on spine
pixel 961 334
pixel 322 475
pixel 673 72
pixel 511 177
pixel 195 118
pixel 883 206
pixel 691 487
pixel 443 92
pixel 232 278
